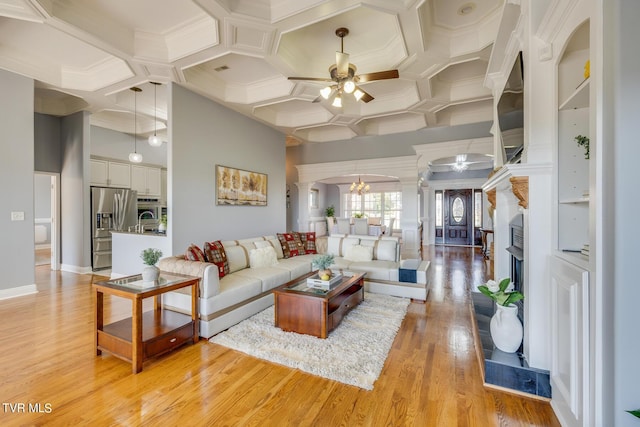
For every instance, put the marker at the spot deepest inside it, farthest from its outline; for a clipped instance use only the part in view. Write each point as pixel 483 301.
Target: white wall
pixel 202 134
pixel 17 257
pixel 118 145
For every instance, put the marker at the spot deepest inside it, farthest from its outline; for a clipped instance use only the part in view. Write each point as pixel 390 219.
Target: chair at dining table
pixel 344 225
pixel 361 226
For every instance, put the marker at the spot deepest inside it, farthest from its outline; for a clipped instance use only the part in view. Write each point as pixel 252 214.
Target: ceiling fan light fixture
pixel 358 94
pixel 325 92
pixel 349 86
pixel 337 102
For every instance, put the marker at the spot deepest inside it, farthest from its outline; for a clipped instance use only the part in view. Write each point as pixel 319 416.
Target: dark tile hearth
pixel 509 370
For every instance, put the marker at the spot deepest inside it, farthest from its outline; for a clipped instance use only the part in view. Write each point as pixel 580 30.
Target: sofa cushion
pixel 235 289
pixel 291 244
pixel 337 246
pixel 238 257
pixel 215 253
pixel 194 253
pixel 262 257
pixel 386 250
pixel 359 253
pixel 297 266
pixel 308 240
pixel 270 277
pixel 376 270
pixel 274 243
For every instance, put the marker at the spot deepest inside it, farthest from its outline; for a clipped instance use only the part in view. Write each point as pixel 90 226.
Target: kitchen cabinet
pixel 105 173
pixel 163 187
pixel 146 180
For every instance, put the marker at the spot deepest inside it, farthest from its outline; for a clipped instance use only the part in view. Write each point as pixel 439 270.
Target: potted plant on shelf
pixel 330 211
pixel 506 329
pixel 583 141
pixel 162 227
pixel 150 257
pixel 322 263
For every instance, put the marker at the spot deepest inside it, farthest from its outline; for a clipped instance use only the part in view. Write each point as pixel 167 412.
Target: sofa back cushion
pixel 272 242
pixel 337 246
pixel 238 256
pixel 386 250
pixel 262 257
pixel 359 253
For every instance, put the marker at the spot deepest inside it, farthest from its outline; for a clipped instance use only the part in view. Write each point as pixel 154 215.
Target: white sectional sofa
pixel 247 290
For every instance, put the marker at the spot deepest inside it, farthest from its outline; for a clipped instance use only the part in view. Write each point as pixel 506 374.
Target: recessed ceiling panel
pixel 235 69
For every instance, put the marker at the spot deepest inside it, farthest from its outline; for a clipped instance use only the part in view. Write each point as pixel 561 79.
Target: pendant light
pixel 154 140
pixel 135 157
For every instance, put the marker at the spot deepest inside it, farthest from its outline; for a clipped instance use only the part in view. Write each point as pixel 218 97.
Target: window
pixel 477 209
pixel 313 198
pixel 438 208
pixel 385 205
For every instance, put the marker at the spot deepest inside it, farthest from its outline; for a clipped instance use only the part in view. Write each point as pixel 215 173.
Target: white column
pixel 303 205
pixel 409 218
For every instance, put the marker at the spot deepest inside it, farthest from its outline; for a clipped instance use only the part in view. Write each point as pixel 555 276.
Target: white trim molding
pixel 18 292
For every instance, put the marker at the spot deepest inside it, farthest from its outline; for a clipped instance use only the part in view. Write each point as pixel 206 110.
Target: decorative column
pixel 409 218
pixel 303 205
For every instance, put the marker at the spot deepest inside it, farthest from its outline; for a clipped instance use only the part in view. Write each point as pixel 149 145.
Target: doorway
pixel 46 219
pixel 458 217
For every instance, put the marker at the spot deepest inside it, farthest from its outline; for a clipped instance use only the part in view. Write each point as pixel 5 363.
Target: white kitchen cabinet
pixel 146 180
pixel 106 173
pixel 163 187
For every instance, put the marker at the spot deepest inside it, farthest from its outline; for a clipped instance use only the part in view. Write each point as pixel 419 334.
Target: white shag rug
pixel 354 353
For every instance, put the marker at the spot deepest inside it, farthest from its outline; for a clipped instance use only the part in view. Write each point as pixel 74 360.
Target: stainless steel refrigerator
pixel 112 209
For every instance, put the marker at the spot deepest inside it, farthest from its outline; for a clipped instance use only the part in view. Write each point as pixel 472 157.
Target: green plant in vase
pixel 330 211
pixel 322 263
pixel 583 141
pixel 150 258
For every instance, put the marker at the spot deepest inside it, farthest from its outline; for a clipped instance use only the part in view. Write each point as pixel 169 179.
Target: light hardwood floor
pixel 431 377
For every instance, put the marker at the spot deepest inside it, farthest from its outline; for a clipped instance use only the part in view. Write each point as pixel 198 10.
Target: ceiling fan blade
pixel 366 97
pixel 312 79
pixel 342 64
pixel 380 75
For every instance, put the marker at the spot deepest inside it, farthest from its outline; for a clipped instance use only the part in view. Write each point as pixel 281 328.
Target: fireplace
pixel 516 258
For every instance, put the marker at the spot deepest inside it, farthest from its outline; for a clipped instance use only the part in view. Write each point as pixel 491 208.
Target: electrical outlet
pixel 17 216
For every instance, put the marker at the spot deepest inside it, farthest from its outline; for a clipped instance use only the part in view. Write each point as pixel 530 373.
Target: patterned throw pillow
pixel 194 253
pixel 308 241
pixel 291 244
pixel 216 254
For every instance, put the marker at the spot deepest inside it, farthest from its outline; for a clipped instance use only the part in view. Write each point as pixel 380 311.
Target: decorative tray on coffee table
pixel 316 282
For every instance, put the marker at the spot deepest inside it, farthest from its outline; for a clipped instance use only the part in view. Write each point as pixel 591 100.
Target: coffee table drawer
pixel 345 306
pixel 169 341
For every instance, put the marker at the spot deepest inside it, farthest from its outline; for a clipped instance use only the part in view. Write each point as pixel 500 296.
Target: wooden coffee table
pixel 145 334
pixel 305 310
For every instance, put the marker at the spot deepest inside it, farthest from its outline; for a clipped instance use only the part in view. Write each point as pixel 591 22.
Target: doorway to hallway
pixel 458 217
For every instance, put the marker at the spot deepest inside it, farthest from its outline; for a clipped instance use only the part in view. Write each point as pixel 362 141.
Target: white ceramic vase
pixel 150 273
pixel 506 329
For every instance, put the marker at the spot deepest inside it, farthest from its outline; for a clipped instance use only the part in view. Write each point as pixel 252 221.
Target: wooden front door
pixel 458 217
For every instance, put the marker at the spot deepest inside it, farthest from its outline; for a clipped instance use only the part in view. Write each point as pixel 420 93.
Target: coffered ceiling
pixel 86 54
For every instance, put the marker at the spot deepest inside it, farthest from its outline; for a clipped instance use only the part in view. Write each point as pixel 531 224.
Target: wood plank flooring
pixel 431 377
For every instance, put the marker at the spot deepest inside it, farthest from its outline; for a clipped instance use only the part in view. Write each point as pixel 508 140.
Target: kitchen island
pixel 126 248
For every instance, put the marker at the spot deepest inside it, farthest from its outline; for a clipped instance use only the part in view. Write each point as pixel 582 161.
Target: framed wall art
pixel 240 187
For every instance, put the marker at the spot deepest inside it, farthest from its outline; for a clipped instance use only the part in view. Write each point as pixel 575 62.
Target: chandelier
pixel 359 187
pixel 461 163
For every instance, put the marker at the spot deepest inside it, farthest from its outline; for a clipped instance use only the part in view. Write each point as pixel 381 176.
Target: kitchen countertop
pixel 146 233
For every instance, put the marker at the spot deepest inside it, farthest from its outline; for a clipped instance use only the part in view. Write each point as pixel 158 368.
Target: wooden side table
pixel 145 334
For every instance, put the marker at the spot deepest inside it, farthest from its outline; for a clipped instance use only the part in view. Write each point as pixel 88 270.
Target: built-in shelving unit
pixel 570 268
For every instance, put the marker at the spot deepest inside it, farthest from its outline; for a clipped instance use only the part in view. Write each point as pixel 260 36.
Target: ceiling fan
pixel 343 75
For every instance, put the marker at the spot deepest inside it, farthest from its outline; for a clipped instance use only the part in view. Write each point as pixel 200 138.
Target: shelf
pixel 579 98
pixel 575 258
pixel 574 200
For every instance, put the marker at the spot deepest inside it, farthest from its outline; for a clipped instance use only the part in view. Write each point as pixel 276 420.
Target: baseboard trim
pixel 18 291
pixel 76 269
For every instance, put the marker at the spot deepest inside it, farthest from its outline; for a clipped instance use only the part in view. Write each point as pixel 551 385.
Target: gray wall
pixel 203 134
pixel 17 258
pixel 118 145
pixel 74 193
pixel 621 152
pixel 47 143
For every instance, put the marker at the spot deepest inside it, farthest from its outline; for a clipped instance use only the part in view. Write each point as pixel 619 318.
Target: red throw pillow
pixel 216 254
pixel 308 240
pixel 291 244
pixel 194 253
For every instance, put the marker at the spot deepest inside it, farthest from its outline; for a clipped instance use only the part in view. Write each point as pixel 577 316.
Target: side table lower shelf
pixel 162 331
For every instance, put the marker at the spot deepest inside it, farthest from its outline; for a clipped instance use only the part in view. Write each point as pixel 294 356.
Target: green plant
pixel 150 256
pixel 635 413
pixel 322 262
pixel 330 211
pixel 583 141
pixel 359 215
pixel 163 220
pixel 498 292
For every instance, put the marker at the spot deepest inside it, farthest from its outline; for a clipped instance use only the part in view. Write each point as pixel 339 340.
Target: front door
pixel 458 217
